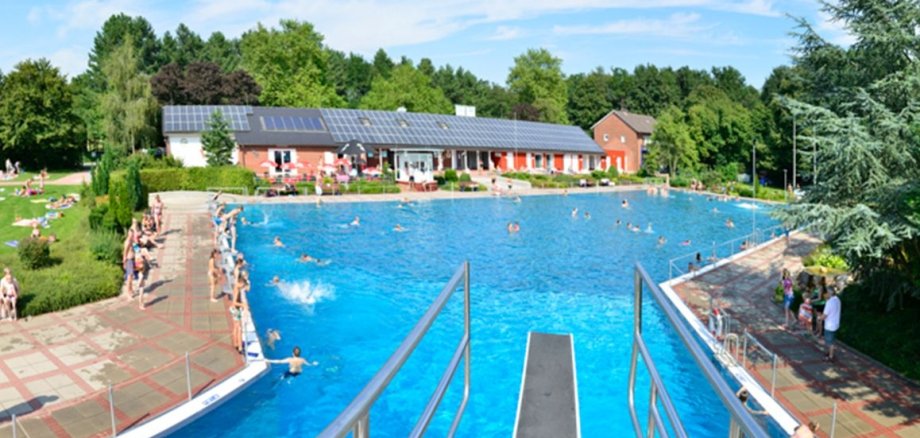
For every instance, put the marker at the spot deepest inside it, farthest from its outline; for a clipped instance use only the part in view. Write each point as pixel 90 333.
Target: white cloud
pixel 504 33
pixel 750 7
pixel 86 14
pixel 71 60
pixel 677 25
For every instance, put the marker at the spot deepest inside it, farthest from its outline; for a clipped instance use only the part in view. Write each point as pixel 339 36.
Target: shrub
pixel 96 217
pixel 465 177
pixel 823 256
pixel 120 211
pixel 197 178
pixel 34 253
pixel 136 196
pixel 680 181
pixel 68 285
pixel 106 246
pixel 598 174
pixel 612 172
pixel 102 171
pixel 146 160
pixel 450 175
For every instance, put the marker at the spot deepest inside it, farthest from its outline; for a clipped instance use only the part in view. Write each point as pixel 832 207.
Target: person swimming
pixel 624 204
pixel 513 227
pixel 648 229
pixel 276 280
pixel 715 210
pixel 399 228
pixel 244 221
pixel 729 223
pixel 295 363
pixel 575 212
pixel 307 258
pixel 617 223
pixel 356 222
pixel 278 243
pixel 662 240
pixel 587 215
pixel 272 336
pixel 686 243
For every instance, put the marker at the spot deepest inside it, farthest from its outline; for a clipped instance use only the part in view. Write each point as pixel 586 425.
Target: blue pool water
pixel 558 274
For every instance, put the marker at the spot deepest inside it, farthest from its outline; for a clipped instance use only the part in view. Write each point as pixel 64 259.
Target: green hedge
pixel 197 178
pixel 74 283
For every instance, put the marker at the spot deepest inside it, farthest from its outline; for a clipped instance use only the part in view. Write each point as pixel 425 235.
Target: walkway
pixel 872 401
pixel 55 369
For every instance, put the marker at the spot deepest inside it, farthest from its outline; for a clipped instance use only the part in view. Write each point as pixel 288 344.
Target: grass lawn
pixel 52 175
pixel 76 276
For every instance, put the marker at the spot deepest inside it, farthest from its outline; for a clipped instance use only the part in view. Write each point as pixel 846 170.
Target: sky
pixel 482 36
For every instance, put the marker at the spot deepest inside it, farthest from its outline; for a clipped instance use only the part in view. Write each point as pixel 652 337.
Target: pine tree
pixel 216 141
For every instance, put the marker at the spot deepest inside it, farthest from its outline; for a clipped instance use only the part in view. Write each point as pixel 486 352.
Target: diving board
pixel 548 402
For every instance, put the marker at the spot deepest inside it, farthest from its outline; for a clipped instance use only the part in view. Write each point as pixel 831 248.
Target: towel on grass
pixel 12 243
pixel 39 201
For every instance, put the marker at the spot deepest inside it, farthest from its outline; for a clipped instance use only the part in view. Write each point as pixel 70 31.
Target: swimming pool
pixel 559 274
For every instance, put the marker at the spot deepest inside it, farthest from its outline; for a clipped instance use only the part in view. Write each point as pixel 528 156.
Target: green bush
pixel 137 196
pixel 465 177
pixel 370 187
pixel 102 172
pixel 34 253
pixel 612 172
pixel 146 160
pixel 97 216
pixel 68 285
pixel 680 181
pixel 823 256
pixel 106 246
pixel 450 175
pixel 197 178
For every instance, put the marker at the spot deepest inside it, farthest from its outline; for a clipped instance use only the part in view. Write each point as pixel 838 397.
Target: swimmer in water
pixel 356 222
pixel 587 215
pixel 624 204
pixel 648 229
pixel 307 258
pixel 276 280
pixel 575 212
pixel 513 227
pixel 244 221
pixel 617 223
pixel 730 223
pixel 278 243
pixel 399 228
pixel 685 243
pixel 272 336
pixel 295 363
pixel 662 240
pixel 715 210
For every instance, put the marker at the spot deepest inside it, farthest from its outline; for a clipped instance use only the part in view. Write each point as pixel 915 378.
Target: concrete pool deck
pixel 872 401
pixel 55 369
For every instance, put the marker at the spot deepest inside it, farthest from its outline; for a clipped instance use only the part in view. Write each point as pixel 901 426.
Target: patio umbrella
pixel 327 168
pixel 291 166
pixel 373 171
pixel 268 164
pixel 342 162
pixel 353 147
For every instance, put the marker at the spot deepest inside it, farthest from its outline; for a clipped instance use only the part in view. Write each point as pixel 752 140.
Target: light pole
pixel 793 151
pixel 785 187
pixel 814 166
pixel 754 190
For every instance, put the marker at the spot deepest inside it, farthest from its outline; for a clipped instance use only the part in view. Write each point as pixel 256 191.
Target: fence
pixel 240 190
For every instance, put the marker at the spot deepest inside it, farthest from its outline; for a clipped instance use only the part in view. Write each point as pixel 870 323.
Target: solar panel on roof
pixel 292 124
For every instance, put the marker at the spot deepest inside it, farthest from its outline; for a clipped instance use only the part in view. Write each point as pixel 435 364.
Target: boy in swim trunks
pixel 295 363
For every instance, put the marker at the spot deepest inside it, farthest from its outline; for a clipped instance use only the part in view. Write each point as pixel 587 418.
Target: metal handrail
pixel 741 419
pixel 355 419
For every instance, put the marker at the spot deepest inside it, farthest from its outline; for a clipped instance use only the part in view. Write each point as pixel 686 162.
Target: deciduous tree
pixel 536 79
pixel 128 107
pixel 671 144
pixel 409 88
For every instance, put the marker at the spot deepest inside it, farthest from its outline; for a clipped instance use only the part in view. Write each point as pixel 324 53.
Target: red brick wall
pixel 251 156
pixel 614 127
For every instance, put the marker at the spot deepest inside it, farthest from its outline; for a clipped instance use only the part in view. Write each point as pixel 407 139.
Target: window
pixel 538 161
pixel 403 123
pixel 606 137
pixel 623 139
pixel 364 121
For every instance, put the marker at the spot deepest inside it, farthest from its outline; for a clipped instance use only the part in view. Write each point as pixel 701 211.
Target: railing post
pixel 744 350
pixel 13 420
pixel 112 411
pixel 651 411
pixel 834 420
pixel 188 376
pixel 773 378
pixel 466 327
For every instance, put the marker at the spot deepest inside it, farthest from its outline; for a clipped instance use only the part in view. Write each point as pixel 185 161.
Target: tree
pixel 536 79
pixel 409 88
pixel 115 31
pixel 37 122
pixel 862 121
pixel 129 109
pixel 204 83
pixel 222 51
pixel 168 85
pixel 671 144
pixel 290 65
pixel 102 172
pixel 86 106
pixel 653 90
pixel 590 97
pixel 382 65
pixel 216 141
pixel 240 89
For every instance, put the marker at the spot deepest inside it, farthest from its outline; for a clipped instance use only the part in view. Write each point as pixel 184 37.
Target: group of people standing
pixel 137 259
pixel 819 312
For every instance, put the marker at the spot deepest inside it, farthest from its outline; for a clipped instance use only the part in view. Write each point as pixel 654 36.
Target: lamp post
pixel 754 190
pixel 785 187
pixel 793 151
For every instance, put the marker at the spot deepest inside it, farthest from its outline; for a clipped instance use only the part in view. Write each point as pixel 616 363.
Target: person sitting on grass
pixel 295 363
pixel 36 231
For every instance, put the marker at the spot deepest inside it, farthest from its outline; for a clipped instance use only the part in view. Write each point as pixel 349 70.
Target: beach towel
pixel 23 223
pixel 39 201
pixel 12 243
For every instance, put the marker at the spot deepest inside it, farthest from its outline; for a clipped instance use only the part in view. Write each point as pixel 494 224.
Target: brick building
pixel 623 137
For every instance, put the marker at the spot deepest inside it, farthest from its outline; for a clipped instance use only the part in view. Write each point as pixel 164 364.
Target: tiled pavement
pixel 55 369
pixel 872 401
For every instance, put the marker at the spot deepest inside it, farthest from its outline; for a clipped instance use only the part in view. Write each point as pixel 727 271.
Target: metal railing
pixel 722 250
pixel 741 420
pixel 355 419
pixel 241 190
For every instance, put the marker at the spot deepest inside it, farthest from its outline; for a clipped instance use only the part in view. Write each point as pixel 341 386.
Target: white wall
pixel 187 147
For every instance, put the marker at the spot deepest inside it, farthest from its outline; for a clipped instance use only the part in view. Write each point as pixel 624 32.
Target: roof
pixel 335 127
pixel 640 123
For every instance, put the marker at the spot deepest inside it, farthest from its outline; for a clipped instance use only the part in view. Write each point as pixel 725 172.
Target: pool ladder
pixel 355 419
pixel 740 419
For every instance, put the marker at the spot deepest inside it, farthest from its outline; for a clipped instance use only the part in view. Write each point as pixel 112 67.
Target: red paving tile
pixel 96 344
pixel 872 401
